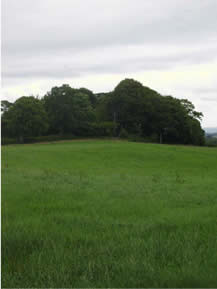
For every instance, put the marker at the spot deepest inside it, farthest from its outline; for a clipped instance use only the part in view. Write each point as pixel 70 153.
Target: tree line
pixel 130 110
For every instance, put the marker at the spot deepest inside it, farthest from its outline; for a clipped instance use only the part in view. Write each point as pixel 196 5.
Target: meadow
pixel 103 213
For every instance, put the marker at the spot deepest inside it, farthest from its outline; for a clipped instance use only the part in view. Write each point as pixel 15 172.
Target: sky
pixel 168 45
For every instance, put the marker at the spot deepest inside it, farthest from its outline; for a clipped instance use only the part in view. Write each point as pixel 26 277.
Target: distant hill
pixel 212 135
pixel 211 139
pixel 210 130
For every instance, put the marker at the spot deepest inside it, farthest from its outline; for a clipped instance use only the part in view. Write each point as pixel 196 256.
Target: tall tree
pixel 5 105
pixel 69 110
pixel 26 117
pixel 92 97
pixel 190 109
pixel 141 110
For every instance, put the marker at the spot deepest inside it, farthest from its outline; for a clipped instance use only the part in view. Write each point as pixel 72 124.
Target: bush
pixel 211 142
pixel 6 141
pixel 147 139
pixel 123 133
pixel 48 138
pixel 136 138
pixel 102 129
pixel 154 138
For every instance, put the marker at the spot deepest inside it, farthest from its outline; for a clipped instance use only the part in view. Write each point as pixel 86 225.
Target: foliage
pixel 5 105
pixel 102 128
pixel 123 133
pixel 7 141
pixel 92 97
pixel 144 112
pixel 131 106
pixel 211 141
pixel 26 117
pixel 190 109
pixel 69 110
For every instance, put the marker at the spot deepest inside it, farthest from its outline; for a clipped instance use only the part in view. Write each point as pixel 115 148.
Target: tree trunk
pixel 20 139
pixel 161 138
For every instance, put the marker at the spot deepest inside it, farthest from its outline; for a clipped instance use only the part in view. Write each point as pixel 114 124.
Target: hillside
pixel 108 214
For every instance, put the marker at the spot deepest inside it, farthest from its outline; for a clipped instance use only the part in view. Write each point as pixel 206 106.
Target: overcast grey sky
pixel 168 45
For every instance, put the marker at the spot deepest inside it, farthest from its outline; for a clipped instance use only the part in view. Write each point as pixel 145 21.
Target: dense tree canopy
pixel 130 109
pixel 26 117
pixel 69 110
pixel 5 105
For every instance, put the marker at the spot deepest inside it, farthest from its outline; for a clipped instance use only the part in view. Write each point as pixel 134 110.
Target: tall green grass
pixel 109 214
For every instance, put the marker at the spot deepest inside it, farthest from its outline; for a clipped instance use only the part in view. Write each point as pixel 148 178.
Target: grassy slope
pixel 109 214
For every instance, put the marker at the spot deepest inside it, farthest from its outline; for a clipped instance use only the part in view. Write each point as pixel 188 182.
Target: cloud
pixel 169 45
pixel 51 25
pixel 209 99
pixel 116 59
pixel 206 90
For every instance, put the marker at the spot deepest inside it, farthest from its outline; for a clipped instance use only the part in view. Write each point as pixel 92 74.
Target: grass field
pixel 109 214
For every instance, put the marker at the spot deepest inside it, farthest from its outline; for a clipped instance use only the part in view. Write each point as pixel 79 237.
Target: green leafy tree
pixel 92 97
pixel 25 118
pixel 144 112
pixel 69 110
pixel 190 109
pixel 5 105
pixel 130 107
